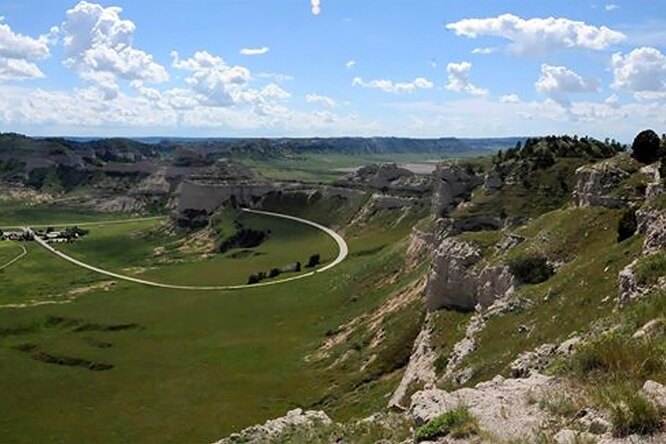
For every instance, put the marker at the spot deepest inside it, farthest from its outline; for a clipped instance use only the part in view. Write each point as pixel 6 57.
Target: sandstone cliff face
pixel 454 282
pixel 595 183
pixel 388 177
pixel 453 185
pixel 652 223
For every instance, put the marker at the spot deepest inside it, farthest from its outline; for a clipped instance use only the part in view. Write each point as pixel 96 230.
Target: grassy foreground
pixel 185 366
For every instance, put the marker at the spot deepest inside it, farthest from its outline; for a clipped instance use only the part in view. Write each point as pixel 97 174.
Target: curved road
pixel 23 253
pixel 343 251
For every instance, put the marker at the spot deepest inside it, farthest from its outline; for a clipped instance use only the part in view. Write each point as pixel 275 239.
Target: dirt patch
pixel 97 343
pixel 71 362
pixel 104 286
pixel 108 328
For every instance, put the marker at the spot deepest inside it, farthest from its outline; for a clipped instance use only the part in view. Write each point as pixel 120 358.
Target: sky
pixel 268 68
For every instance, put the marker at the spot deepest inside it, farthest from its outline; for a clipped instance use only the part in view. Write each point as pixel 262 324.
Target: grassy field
pixel 186 366
pixel 16 214
pixel 327 167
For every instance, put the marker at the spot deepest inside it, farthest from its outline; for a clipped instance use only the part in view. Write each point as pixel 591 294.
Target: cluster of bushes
pixel 243 238
pixel 312 262
pixel 544 150
pixel 531 269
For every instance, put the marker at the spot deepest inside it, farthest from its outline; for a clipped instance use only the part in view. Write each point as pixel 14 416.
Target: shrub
pixel 531 269
pixel 627 225
pixel 634 415
pixel 256 278
pixel 275 272
pixel 458 423
pixel 313 261
pixel 646 147
pixel 618 357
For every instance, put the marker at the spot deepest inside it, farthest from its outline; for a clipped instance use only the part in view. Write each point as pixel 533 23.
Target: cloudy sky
pixel 414 68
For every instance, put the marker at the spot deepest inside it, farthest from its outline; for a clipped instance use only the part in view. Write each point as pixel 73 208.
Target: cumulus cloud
pixel 254 51
pixel 510 98
pixel 642 72
pixel 557 82
pixel 321 100
pixel 538 35
pixel 98 46
pixel 215 83
pixel 18 54
pixel 392 87
pixel 350 64
pixel 315 6
pixel 459 79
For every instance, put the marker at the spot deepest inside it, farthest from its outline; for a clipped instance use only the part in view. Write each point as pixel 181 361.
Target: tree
pixel 275 272
pixel 313 261
pixel 646 147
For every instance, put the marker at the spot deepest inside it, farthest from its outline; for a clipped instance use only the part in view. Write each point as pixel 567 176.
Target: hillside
pixel 540 317
pixel 517 297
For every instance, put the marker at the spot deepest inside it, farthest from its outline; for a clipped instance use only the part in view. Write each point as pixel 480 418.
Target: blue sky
pixel 332 67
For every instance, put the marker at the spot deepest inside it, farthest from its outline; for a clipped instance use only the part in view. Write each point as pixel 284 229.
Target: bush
pixel 256 278
pixel 313 261
pixel 635 415
pixel 627 225
pixel 532 269
pixel 458 423
pixel 646 147
pixel 275 272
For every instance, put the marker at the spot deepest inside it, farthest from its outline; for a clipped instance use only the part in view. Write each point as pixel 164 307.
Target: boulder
pixel 651 329
pixel 655 392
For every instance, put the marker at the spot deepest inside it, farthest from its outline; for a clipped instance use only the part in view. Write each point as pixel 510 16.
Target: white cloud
pixel 538 35
pixel 213 83
pixel 611 7
pixel 459 79
pixel 319 99
pixel 19 52
pixel 642 72
pixel 315 6
pixel 484 50
pixel 350 64
pixel 392 87
pixel 254 51
pixel 98 45
pixel 557 82
pixel 510 98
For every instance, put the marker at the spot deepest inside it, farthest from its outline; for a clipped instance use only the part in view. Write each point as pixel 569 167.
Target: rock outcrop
pixel 595 183
pixel 651 223
pixel 453 184
pixel 421 368
pixel 454 282
pixel 501 406
pixel 274 428
pixel 387 177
